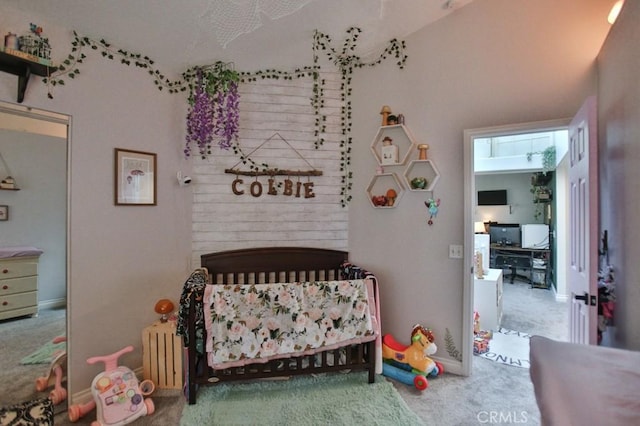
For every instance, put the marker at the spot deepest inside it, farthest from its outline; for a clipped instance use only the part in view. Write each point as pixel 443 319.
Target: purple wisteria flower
pixel 212 116
pixel 228 119
pixel 200 125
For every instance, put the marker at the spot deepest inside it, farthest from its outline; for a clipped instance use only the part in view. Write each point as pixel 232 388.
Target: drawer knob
pixel 5 271
pixel 5 303
pixel 5 287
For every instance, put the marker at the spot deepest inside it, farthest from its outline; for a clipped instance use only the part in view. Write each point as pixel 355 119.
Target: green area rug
pixel 331 399
pixel 45 354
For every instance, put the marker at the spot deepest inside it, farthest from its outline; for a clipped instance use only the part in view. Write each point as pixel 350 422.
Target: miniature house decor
pixel 389 152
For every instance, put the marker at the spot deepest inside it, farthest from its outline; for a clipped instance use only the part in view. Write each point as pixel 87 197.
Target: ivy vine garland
pixel 213 96
pixel 347 61
pixel 69 66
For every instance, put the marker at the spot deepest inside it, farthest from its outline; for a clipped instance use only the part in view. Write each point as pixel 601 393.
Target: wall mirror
pixel 34 150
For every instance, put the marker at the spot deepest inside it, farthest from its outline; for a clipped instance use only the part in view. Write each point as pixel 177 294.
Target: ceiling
pixel 253 34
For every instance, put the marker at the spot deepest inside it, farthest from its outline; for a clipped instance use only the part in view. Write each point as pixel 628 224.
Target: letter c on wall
pixel 234 186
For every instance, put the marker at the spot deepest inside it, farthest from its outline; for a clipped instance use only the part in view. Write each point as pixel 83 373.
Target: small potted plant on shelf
pixel 541 192
pixel 419 182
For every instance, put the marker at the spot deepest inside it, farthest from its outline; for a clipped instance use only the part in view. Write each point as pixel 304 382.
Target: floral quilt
pixel 259 322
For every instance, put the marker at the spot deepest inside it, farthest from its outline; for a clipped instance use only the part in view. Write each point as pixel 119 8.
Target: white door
pixel 583 224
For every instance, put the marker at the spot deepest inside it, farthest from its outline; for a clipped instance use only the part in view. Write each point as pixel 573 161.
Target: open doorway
pixel 504 196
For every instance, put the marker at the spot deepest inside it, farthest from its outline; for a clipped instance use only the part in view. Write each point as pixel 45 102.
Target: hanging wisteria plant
pixel 199 120
pixel 228 116
pixel 213 115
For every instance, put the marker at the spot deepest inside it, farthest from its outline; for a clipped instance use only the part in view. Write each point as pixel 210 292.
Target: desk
pixel 535 261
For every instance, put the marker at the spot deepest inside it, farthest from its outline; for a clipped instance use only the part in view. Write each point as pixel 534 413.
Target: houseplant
pixel 541 191
pixel 213 112
pixel 540 180
pixel 548 158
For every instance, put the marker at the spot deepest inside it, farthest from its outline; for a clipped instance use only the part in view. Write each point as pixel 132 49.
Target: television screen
pixel 505 234
pixel 492 198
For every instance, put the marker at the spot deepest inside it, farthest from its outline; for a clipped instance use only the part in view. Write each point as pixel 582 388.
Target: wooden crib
pixel 264 266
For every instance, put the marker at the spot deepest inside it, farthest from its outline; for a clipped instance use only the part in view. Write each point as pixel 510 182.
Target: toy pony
pixel 411 364
pixel 55 375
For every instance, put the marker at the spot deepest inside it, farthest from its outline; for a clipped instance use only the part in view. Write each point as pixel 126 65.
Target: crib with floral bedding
pixel 277 312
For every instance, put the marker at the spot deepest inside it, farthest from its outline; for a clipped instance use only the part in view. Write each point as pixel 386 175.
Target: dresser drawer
pixel 17 268
pixel 19 300
pixel 18 285
pixel 29 310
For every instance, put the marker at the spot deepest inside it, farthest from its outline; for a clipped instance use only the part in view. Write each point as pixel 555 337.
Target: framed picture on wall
pixel 135 178
pixel 4 212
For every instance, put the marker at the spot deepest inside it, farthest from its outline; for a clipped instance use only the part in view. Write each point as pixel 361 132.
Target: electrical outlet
pixel 455 251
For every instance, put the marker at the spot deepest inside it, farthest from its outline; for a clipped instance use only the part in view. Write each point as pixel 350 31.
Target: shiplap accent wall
pixel 280 110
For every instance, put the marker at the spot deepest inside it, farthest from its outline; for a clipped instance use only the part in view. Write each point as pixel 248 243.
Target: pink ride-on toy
pixel 117 394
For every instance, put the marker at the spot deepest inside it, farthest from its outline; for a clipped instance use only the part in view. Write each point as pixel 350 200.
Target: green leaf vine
pixel 548 158
pixel 345 59
pixel 69 68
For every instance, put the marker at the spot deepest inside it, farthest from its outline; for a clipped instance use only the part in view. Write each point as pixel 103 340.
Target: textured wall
pixel 277 128
pixel 491 63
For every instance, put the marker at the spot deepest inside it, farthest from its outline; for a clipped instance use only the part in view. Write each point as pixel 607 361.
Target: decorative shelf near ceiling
pixel 23 65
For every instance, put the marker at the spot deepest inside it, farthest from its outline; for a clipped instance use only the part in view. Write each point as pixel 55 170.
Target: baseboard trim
pixel 451 366
pixel 561 297
pixel 52 304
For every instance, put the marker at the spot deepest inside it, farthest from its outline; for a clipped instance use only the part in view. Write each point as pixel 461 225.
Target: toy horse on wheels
pixel 55 375
pixel 411 364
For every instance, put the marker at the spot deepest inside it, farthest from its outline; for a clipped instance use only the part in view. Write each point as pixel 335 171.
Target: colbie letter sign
pixel 289 188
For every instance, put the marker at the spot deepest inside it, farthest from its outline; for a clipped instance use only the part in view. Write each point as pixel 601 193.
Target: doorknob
pixel 583 298
pixel 588 300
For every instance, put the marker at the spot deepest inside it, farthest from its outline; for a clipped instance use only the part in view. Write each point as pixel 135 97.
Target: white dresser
pixel 18 286
pixel 487 299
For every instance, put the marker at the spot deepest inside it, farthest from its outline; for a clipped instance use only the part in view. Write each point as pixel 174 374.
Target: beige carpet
pixel 449 400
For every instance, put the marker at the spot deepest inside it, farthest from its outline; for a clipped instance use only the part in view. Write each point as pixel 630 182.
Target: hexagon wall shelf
pixel 380 184
pixel 421 169
pixel 401 137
